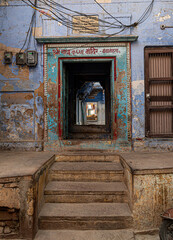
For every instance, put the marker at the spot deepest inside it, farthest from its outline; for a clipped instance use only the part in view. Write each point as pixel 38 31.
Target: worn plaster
pixel 22 79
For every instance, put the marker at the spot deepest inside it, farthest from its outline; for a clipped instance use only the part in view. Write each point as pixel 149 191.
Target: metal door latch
pixel 148 96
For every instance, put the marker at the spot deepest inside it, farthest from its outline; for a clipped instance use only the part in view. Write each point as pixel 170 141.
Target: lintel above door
pixel 95 39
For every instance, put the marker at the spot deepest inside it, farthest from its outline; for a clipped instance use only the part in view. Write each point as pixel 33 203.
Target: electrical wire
pixel 52 2
pixel 66 22
pixel 57 12
pixel 109 13
pixel 69 15
pixel 144 16
pixel 69 24
pixel 146 13
pixel 56 18
pixel 35 25
pixel 29 32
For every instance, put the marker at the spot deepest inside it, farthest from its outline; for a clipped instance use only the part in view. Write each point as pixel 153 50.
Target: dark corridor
pixel 88 100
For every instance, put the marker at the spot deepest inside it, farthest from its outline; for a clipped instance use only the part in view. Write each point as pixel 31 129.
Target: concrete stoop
pixel 86 198
pixel 85 235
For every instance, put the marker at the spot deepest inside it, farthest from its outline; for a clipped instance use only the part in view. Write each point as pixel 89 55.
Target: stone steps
pixel 81 192
pixel 85 216
pixel 86 171
pixel 85 199
pixel 85 235
pixel 86 156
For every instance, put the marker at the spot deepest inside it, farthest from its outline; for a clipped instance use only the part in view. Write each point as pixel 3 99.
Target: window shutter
pixel 159 92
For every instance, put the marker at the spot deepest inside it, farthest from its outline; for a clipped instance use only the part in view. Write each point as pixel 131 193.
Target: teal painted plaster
pixel 118 105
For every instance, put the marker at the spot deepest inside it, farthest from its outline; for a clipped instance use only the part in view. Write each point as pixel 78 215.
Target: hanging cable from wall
pixel 63 14
pixel 29 32
pixel 53 10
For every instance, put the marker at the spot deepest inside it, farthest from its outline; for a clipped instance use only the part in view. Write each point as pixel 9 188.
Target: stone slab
pixel 87 157
pixel 18 164
pixel 56 187
pixel 147 237
pixel 84 235
pixel 149 162
pixel 86 166
pixel 85 210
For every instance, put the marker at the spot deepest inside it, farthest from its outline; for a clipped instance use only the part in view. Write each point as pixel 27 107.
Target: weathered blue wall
pixel 21 120
pixel 149 34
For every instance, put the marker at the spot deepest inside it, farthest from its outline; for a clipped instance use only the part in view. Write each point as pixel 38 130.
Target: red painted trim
pixel 60 124
pixel 44 100
pixel 115 120
pixel 43 62
pixel 59 101
pixel 130 87
pixel 115 70
pixel 68 58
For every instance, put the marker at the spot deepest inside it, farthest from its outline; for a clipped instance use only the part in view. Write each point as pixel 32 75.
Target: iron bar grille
pixel 159 91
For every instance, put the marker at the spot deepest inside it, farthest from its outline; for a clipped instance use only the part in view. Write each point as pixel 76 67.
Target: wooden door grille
pixel 159 91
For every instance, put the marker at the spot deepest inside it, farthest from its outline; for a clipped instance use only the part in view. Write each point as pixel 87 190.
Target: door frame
pixel 62 111
pixel 53 96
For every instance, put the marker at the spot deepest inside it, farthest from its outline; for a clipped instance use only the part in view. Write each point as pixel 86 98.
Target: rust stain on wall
pixel 40 90
pixel 30 202
pixel 9 196
pixel 121 75
pixel 39 108
pixel 53 99
pixel 7 87
pixel 15 98
pixel 152 196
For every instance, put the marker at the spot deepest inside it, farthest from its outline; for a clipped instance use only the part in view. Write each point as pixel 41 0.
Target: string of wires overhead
pixel 63 15
pixel 29 32
pixel 56 13
pixel 143 17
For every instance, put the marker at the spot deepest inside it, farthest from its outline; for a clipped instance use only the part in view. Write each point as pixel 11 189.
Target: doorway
pixel 87 99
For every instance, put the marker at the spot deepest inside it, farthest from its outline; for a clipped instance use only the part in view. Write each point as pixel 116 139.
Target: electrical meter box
pixel 20 58
pixel 8 57
pixel 31 58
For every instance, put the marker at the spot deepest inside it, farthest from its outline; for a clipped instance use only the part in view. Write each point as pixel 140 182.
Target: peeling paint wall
pixel 22 120
pixel 120 81
pixel 21 87
pixel 17 115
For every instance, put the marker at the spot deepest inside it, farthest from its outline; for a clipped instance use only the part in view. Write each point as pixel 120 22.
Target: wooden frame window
pixel 159 91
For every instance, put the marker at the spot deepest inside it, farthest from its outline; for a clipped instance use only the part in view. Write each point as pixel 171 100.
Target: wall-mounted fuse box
pixel 8 57
pixel 31 58
pixel 20 58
